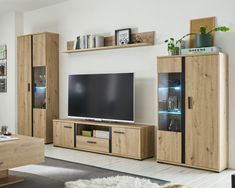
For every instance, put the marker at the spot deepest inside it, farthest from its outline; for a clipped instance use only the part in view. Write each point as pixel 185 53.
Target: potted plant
pixel 172 47
pixel 204 38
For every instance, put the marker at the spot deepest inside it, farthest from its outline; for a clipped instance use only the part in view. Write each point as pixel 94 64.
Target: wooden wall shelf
pixel 109 48
pixel 147 40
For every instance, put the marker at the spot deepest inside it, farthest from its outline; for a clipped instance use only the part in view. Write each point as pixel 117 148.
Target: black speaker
pixel 233 181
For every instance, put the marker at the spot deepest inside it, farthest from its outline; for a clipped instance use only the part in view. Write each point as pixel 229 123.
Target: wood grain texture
pixel 223 110
pixel 126 142
pixel 63 134
pixel 147 37
pixel 3 174
pixel 109 47
pixel 108 124
pixel 39 49
pixel 24 151
pixel 147 142
pixel 39 123
pixel 169 64
pixel 24 87
pixel 169 146
pixel 52 84
pixel 195 27
pixel 9 180
pixel 92 144
pixel 202 126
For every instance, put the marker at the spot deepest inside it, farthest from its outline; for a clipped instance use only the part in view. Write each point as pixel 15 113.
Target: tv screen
pixel 102 96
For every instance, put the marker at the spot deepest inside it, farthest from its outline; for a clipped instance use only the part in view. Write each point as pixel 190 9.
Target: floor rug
pixel 54 173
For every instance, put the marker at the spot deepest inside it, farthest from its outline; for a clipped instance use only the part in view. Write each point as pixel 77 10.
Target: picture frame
pixel 123 36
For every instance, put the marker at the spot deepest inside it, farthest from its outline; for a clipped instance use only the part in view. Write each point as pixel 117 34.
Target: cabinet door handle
pixel 189 102
pixel 91 142
pixel 69 127
pixel 119 132
pixel 28 87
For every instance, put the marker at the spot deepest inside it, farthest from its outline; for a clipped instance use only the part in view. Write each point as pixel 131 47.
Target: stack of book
pixel 101 134
pixel 89 41
pixel 203 50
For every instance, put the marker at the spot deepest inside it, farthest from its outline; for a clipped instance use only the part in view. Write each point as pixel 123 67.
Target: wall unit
pixel 193 110
pixel 126 140
pixel 37 59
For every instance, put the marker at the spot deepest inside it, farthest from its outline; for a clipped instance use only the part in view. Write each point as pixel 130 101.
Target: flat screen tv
pixel 102 97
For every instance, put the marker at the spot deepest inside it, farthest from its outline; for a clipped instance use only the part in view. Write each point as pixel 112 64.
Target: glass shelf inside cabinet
pixel 39 87
pixel 169 101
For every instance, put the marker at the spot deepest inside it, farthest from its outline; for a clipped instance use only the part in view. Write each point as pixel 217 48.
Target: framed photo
pixel 123 36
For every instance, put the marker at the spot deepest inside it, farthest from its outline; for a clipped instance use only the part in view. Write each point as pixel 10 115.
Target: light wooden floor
pixel 187 176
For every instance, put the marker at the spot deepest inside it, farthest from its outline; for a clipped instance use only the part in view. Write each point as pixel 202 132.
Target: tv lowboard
pixel 126 140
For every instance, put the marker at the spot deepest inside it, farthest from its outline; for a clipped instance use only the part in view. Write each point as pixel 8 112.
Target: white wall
pixel 9 28
pixel 168 18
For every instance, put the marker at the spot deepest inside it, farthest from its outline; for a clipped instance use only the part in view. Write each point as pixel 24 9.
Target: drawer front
pixel 169 146
pixel 126 142
pixel 94 144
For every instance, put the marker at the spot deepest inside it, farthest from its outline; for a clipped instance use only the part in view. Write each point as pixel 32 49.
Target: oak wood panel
pixel 169 64
pixel 109 47
pixel 39 123
pixel 63 134
pixel 109 124
pixel 143 135
pixel 146 37
pixel 126 142
pixel 147 142
pixel 39 49
pixel 223 110
pixel 169 146
pixel 20 152
pixel 94 144
pixel 195 24
pixel 202 141
pixel 3 174
pixel 52 84
pixel 24 88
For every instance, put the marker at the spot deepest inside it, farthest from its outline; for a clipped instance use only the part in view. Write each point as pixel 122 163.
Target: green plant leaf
pixel 222 29
pixel 203 30
pixel 172 39
pixel 166 41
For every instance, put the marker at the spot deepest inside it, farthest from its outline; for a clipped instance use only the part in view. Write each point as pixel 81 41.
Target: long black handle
pixel 28 87
pixel 68 127
pixel 189 102
pixel 91 142
pixel 119 132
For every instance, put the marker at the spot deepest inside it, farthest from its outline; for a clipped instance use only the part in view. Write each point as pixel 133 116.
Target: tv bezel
pixel 104 119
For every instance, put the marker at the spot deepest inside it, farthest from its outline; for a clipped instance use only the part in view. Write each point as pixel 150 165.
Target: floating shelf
pixel 146 37
pixel 109 47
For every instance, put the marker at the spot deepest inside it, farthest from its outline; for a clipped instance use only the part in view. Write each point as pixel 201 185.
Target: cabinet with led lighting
pixel 37 60
pixel 192 110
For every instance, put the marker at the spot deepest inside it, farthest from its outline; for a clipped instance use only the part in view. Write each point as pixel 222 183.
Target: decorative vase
pixel 203 40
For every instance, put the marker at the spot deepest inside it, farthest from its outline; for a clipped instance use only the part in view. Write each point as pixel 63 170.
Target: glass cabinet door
pixel 39 87
pixel 169 101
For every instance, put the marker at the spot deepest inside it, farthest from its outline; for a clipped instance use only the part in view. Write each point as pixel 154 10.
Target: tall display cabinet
pixel 38 84
pixel 193 111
